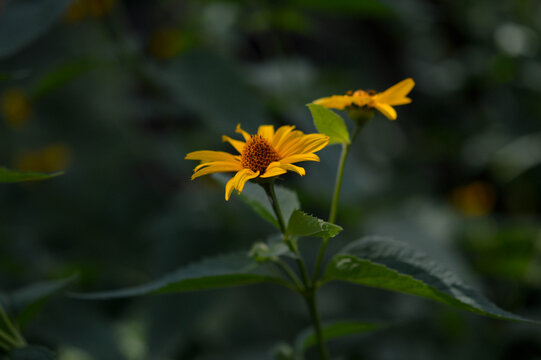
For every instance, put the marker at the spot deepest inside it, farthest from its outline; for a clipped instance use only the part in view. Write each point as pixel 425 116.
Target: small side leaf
pixel 329 123
pixel 334 330
pixel 11 176
pixel 223 271
pixel 390 265
pixel 302 224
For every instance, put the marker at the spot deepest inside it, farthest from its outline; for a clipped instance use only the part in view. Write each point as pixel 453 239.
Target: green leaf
pixel 302 224
pixel 257 199
pixel 10 176
pixel 390 265
pixel 334 330
pixel 223 271
pixel 329 123
pixel 22 21
pixel 31 352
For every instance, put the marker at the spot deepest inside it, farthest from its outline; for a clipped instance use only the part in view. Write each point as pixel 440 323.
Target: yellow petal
pixel 396 94
pixel 294 168
pixel 238 181
pixel 299 157
pixel 214 167
pixel 267 131
pixel 209 155
pixel 238 145
pixel 288 140
pixel 386 110
pixel 280 133
pixel 274 169
pixel 335 102
pixel 244 133
pixel 307 144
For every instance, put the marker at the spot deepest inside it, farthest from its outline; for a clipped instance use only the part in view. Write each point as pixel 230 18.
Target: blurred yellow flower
pixel 265 155
pixel 81 9
pixel 384 101
pixel 167 42
pixel 16 108
pixel 51 158
pixel 474 199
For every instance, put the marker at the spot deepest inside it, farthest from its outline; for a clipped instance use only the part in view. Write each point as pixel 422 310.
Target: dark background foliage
pixel 117 92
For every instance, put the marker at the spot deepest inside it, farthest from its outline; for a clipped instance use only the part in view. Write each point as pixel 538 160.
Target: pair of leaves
pixel 10 176
pixel 298 223
pixel 375 262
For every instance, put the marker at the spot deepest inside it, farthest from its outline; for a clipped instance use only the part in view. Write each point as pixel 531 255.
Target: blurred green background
pixel 117 92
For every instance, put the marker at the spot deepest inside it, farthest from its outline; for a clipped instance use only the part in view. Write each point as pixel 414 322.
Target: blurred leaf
pixel 222 271
pixel 213 88
pixel 22 21
pixel 329 123
pixel 307 338
pixel 61 75
pixel 262 252
pixel 302 224
pixel 517 157
pixel 19 301
pixel 353 7
pixel 257 199
pixel 11 176
pixel 390 265
pixel 31 353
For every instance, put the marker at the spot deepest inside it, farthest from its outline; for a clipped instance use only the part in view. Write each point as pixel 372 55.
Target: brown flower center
pixel 258 154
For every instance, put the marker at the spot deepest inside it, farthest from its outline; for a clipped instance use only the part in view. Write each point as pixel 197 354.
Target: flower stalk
pixel 309 291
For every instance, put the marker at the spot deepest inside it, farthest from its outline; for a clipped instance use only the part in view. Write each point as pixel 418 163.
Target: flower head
pixel 266 154
pixel 384 101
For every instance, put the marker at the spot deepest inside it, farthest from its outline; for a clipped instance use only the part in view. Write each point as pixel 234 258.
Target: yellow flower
pixel 384 101
pixel 50 158
pixel 15 108
pixel 265 155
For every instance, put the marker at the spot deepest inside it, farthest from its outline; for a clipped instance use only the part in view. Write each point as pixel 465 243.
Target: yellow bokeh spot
pixel 82 9
pixel 475 199
pixel 166 43
pixel 16 108
pixel 51 158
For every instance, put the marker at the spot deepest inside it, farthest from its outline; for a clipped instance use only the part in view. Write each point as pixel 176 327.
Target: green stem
pixel 269 189
pixel 340 174
pixel 335 198
pixel 309 292
pixel 290 273
pixel 319 260
pixel 17 340
pixel 314 315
